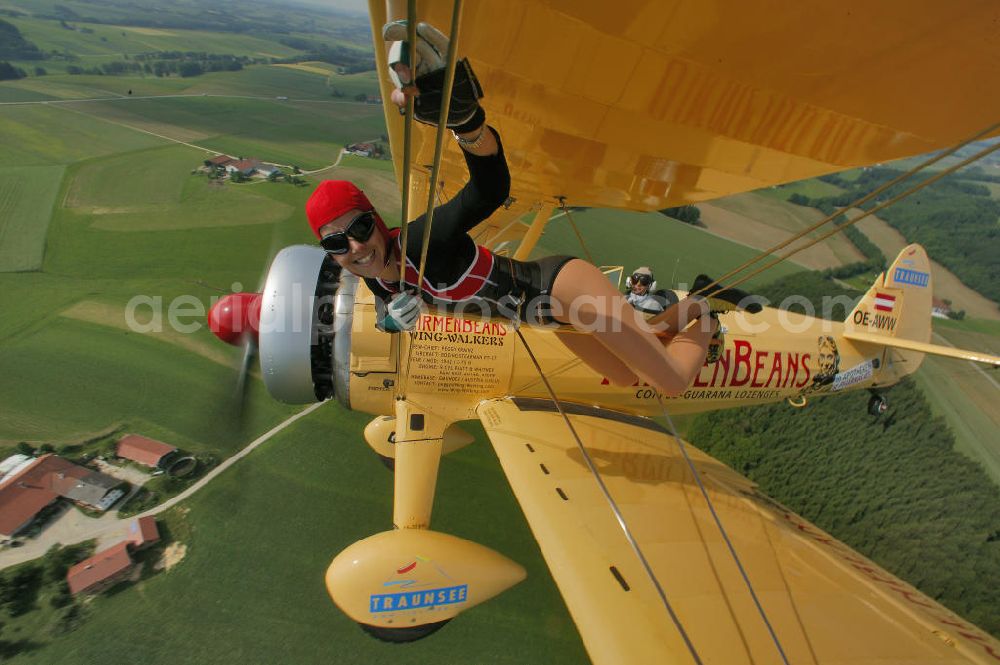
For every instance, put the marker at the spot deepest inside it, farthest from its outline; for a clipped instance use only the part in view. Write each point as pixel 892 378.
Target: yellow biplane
pixel 662 554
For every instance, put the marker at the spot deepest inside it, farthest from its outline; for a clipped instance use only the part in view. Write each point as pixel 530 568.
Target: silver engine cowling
pixel 306 313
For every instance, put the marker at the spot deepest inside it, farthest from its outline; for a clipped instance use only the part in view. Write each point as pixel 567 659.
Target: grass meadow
pixel 306 135
pixel 964 394
pixel 41 135
pixel 256 81
pixel 676 252
pixel 785 219
pixel 813 188
pixel 26 198
pixel 112 41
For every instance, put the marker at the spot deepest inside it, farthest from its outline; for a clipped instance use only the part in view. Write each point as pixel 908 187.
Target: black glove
pixel 464 112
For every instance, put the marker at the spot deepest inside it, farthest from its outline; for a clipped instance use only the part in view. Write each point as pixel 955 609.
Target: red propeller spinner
pixel 234 315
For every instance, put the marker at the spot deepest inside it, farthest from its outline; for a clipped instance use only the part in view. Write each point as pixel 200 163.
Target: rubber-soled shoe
pixel 723 299
pixel 716 344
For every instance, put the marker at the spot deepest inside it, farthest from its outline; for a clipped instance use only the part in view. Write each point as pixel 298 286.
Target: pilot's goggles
pixel 641 278
pixel 360 228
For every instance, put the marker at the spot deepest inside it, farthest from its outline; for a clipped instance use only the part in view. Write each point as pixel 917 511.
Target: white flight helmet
pixel 638 274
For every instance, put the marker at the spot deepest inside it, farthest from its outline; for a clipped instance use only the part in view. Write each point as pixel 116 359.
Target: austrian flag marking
pixel 884 302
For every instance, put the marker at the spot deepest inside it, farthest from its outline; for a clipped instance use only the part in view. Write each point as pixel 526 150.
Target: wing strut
pixel 614 506
pixel 411 36
pixel 722 530
pixel 562 204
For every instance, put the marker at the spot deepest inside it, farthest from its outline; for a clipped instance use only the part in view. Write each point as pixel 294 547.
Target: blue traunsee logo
pixel 912 277
pixel 413 600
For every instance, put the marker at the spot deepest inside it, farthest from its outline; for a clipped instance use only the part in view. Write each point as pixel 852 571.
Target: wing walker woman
pixel 608 334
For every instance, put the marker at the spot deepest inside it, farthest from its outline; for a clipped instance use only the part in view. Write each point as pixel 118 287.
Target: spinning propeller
pixel 235 319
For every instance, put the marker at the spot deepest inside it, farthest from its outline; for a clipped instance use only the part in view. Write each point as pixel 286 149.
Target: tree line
pixel 13 45
pixel 894 488
pixel 955 219
pixel 687 214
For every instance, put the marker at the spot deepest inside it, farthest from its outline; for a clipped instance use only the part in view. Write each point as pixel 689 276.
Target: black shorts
pixel 526 286
pixel 514 290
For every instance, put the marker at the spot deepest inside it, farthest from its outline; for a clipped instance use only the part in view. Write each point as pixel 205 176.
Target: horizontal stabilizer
pixel 923 347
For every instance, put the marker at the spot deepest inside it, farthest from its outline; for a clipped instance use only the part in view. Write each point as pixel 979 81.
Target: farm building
pixel 940 308
pixel 360 149
pixel 244 166
pixel 102 570
pixel 114 564
pixel 34 486
pixel 149 452
pixel 219 160
pixel 143 533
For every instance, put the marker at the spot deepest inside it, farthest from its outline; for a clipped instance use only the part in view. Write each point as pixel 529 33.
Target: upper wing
pixel 645 104
pixel 826 603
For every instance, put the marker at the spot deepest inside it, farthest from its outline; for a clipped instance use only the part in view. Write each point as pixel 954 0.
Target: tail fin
pixel 896 312
pixel 898 304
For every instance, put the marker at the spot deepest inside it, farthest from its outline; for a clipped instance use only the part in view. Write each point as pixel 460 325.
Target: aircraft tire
pixel 389 462
pixel 402 635
pixel 877 405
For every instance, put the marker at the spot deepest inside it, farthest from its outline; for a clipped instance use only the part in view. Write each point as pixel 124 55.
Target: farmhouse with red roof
pixel 149 452
pixel 40 482
pixel 114 564
pixel 143 533
pixel 102 570
pixel 219 160
pixel 244 166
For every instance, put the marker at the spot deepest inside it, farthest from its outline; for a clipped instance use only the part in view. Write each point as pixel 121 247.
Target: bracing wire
pixel 614 506
pixel 931 180
pixel 722 530
pixel 562 204
pixel 449 80
pixel 920 167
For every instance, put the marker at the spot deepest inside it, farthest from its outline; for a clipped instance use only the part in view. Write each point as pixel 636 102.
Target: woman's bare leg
pixel 598 358
pixel 592 304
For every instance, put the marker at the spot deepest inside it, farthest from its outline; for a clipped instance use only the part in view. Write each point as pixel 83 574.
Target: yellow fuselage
pixel 451 364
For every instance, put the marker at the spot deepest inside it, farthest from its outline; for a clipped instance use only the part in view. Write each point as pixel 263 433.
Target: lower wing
pixel 824 602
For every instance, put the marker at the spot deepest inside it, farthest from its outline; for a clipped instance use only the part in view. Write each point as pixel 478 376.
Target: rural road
pixel 72 526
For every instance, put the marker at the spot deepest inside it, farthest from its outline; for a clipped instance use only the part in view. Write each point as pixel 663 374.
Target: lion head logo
pixel 829 361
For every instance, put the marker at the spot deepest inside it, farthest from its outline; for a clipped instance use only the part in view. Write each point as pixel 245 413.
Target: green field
pixel 14 92
pixel 38 134
pixel 153 190
pixel 26 198
pixel 966 395
pixel 85 86
pixel 814 188
pixel 772 210
pixel 308 136
pixel 108 375
pixel 115 40
pixel 676 252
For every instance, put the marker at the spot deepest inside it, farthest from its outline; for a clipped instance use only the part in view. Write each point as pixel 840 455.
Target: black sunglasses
pixel 360 228
pixel 645 280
